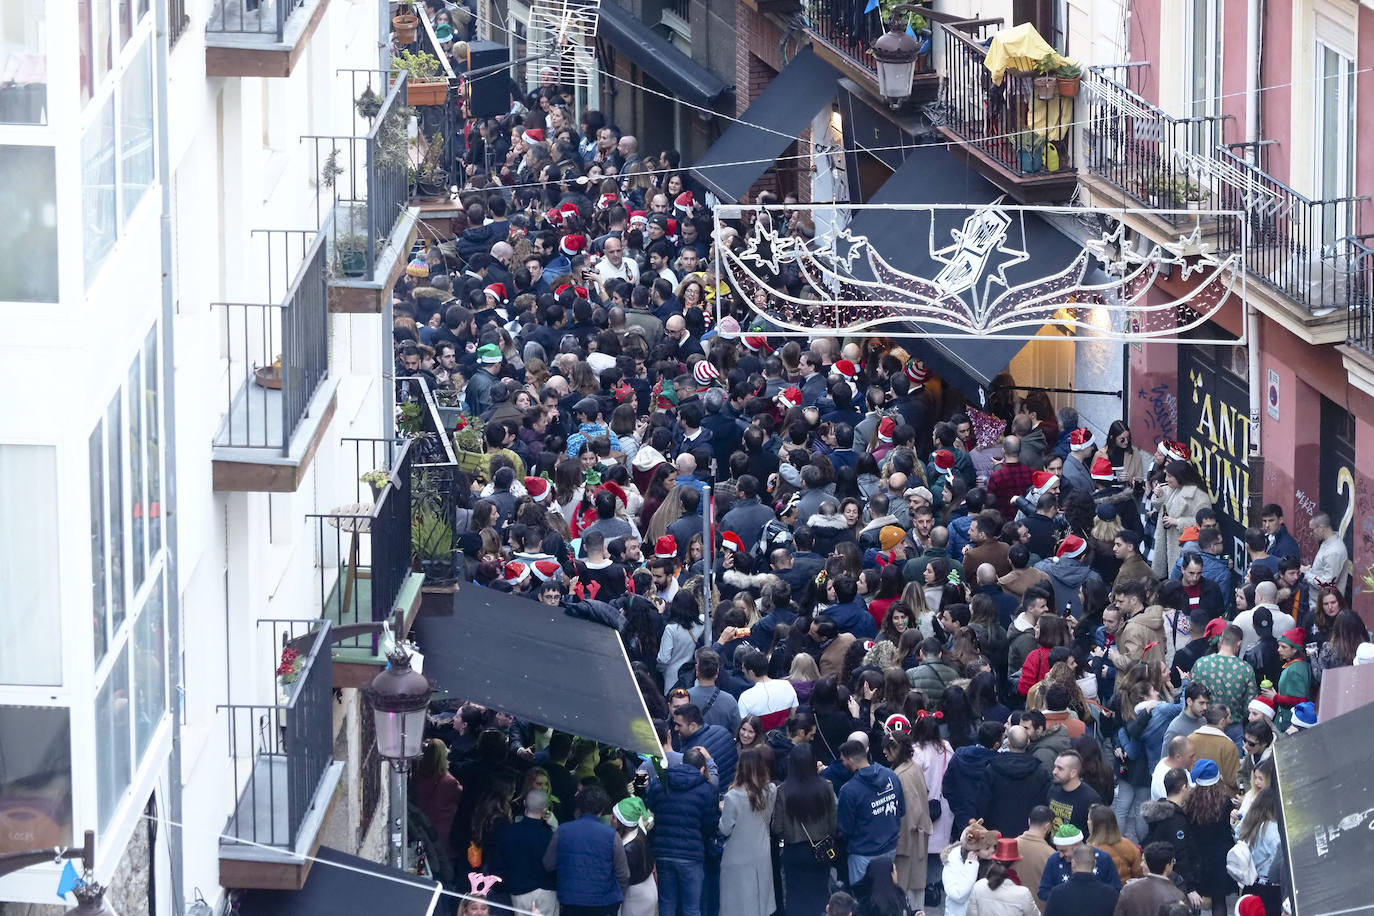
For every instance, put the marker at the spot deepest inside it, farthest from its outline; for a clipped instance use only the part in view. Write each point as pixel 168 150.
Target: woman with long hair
pixel 1104 834
pixel 885 895
pixel 957 722
pixel 1347 633
pixel 436 791
pixel 983 698
pixel 670 511
pixel 853 511
pixel 1095 771
pixel 1130 463
pixel 931 752
pixel 887 593
pixel 641 632
pixel 803 675
pixel 1208 810
pixel 1329 605
pixel 803 815
pixel 536 778
pixel 834 718
pixel 936 575
pixel 1259 828
pixel 922 617
pixel 895 622
pixel 1050 631
pixel 1178 499
pixel 664 479
pixel 909 648
pixel 995 895
pixel 679 641
pixel 746 871
pixel 750 734
pixel 569 488
pixel 913 840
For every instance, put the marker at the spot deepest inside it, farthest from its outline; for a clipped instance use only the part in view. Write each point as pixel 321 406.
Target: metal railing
pixel 177 21
pixel 280 751
pixel 278 353
pixel 368 455
pixel 682 9
pixel 845 27
pixel 1159 160
pixel 1360 294
pixel 1025 135
pixel 367 547
pixel 361 186
pixel 252 17
pixel 1297 246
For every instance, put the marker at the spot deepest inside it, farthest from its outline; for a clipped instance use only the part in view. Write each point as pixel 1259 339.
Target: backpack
pixel 1240 865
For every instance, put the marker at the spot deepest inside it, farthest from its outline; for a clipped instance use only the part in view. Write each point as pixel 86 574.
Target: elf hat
pixel 732 542
pixel 1293 638
pixel 1102 468
pixel 489 354
pixel 1069 835
pixel 705 373
pixel 1071 547
pixel 665 548
pixel 917 372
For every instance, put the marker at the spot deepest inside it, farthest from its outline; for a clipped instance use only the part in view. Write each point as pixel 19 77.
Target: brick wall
pixel 758 58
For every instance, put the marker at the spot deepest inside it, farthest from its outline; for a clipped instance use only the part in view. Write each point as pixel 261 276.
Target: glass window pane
pixel 152 434
pixel 101 39
pixel 35 779
pixel 113 767
pixel 136 129
pixel 135 440
pixel 98 189
pixel 23 63
pixel 99 612
pixel 114 431
pixel 30 619
pixel 83 28
pixel 126 21
pixel 150 670
pixel 28 231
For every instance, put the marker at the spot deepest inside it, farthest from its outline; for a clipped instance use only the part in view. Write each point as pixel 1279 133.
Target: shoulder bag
pixel 824 850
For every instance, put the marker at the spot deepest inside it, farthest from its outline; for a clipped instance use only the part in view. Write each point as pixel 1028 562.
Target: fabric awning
pixel 652 53
pixel 538 664
pixel 340 883
pixel 780 113
pixel 933 175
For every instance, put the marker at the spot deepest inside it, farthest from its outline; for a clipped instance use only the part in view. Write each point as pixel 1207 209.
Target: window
pixel 99 618
pixel 1335 140
pixel 150 670
pixel 152 439
pixel 28 231
pixel 136 476
pixel 98 210
pixel 136 130
pixel 23 63
pixel 113 768
pixel 114 475
pixel 36 779
pixel 30 623
pixel 1203 52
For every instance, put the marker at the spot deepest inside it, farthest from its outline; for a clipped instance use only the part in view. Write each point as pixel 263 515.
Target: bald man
pixel 896 499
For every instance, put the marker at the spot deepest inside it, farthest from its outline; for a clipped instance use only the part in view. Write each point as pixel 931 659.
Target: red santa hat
pixel 1174 451
pixel 515 572
pixel 1071 547
pixel 639 219
pixel 1263 707
pixel 790 397
pixel 579 291
pixel 886 428
pixel 554 217
pixel 1250 905
pixel 671 231
pixel 1081 438
pixel 917 372
pixel 665 548
pixel 705 373
pixel 496 291
pixel 537 488
pixel 535 134
pixel 756 343
pixel 605 201
pixel 683 203
pixel 569 208
pixel 573 244
pixel 846 369
pixel 617 491
pixel 944 461
pixel 1041 481
pixel 544 570
pixel 1102 468
pixel 732 542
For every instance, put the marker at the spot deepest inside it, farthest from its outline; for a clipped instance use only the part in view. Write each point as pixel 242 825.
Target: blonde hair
pixel 803 668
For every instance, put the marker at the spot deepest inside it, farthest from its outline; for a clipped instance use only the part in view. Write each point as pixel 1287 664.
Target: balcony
pixel 284 773
pixel 1139 157
pixel 1021 143
pixel 363 554
pixel 843 36
pixel 261 38
pixel 362 195
pixel 278 397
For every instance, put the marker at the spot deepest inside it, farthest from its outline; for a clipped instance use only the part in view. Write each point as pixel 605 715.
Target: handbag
pixel 824 850
pixel 935 809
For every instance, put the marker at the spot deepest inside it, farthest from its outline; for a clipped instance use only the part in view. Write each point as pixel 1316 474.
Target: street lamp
pixel 895 52
pixel 400 698
pixel 90 896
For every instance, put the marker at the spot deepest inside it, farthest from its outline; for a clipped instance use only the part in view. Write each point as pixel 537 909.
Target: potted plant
pixel 1029 152
pixel 1193 195
pixel 431 180
pixel 470 441
pixel 405 24
pixel 1159 190
pixel 368 104
pixel 288 671
pixel 1069 76
pixel 350 251
pixel 330 170
pixel 377 479
pixel 424 85
pixel 1046 83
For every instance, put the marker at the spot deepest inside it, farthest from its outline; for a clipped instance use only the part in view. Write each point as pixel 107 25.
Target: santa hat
pixel 569 208
pixel 846 369
pixel 1250 905
pixel 756 343
pixel 665 548
pixel 537 488
pixel 1174 451
pixel 573 244
pixel 496 290
pixel 554 217
pixel 898 723
pixel 1293 638
pixel 605 201
pixel 1263 707
pixel 1215 627
pixel 578 291
pixel 732 542
pixel 544 570
pixel 639 219
pixel 1206 773
pixel 944 461
pixel 1081 438
pixel 1071 547
pixel 705 373
pixel 617 491
pixel 917 372
pixel 683 203
pixel 1102 468
pixel 671 231
pixel 489 354
pixel 515 572
pixel 1305 715
pixel 1041 481
pixel 535 134
pixel 790 397
pixel 886 427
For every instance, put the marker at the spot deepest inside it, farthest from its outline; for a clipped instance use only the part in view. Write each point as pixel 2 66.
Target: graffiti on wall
pixel 1220 443
pixel 1161 410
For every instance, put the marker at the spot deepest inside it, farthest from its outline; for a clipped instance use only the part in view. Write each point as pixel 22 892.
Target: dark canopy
pixel 359 886
pixel 538 664
pixel 932 175
pixel 775 119
pixel 650 52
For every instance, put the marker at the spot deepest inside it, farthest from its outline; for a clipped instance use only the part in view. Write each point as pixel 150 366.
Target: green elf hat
pixel 1068 835
pixel 489 354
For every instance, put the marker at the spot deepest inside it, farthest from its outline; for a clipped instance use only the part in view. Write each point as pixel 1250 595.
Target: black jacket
pixel 1013 785
pixel 1082 895
pixel 1165 823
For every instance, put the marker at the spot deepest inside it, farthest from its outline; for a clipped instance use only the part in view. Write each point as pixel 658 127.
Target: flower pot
pixel 1068 86
pixel 435 188
pixel 352 262
pixel 1046 87
pixel 407 27
pixel 426 92
pixel 267 377
pixel 1029 160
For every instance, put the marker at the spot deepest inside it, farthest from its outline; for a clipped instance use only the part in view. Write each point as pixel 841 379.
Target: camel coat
pixel 1182 506
pixel 913 840
pixel 1127 859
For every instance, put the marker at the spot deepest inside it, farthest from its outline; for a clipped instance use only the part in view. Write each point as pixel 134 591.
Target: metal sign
pixel 976 270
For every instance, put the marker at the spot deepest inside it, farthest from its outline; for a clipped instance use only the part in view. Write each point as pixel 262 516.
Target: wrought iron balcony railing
pixel 252 17
pixel 844 26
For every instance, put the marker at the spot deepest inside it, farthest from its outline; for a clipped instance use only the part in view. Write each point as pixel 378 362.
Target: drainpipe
pixel 169 470
pixel 1255 460
pixel 1254 12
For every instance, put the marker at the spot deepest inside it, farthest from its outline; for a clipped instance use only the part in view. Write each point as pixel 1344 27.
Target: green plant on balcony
pixel 431 533
pixel 392 148
pixel 429 177
pixel 915 20
pixel 1029 148
pixel 1046 83
pixel 1069 76
pixel 424 85
pixel 368 104
pixel 330 170
pixel 1191 194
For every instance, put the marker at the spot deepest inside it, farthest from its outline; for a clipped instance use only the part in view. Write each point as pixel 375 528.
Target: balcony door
pixel 1202 39
pixel 1335 140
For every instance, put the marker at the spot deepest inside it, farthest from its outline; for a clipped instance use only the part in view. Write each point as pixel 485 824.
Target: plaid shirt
pixel 1006 483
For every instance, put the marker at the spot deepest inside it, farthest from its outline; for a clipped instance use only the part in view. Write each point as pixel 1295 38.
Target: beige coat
pixel 1010 899
pixel 1182 506
pixel 913 842
pixel 1035 853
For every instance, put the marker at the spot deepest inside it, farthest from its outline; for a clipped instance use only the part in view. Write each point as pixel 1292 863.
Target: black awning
pixel 538 664
pixel 652 53
pixel 776 117
pixel 340 883
pixel 933 175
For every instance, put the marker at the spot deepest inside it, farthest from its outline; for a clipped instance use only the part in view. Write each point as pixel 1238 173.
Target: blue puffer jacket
pixel 720 744
pixel 586 876
pixel 685 813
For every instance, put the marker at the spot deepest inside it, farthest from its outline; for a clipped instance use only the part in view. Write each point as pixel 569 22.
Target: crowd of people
pixel 900 652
